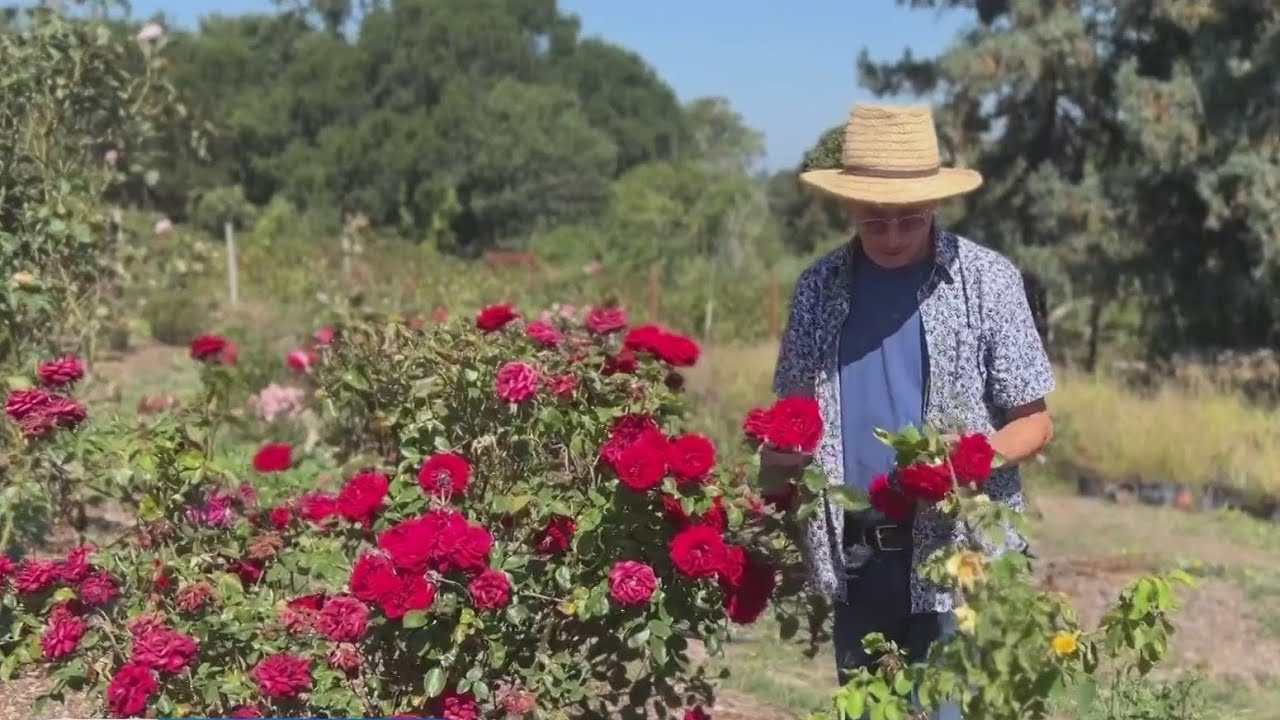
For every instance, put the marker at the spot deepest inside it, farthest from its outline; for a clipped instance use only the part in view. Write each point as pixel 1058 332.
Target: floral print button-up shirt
pixel 984 359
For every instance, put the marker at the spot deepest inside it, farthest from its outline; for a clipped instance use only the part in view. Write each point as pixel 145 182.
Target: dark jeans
pixel 878 599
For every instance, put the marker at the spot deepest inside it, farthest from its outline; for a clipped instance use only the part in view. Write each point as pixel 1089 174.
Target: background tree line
pixel 1131 149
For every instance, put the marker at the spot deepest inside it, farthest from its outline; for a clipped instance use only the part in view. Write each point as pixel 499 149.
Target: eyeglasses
pixel 904 224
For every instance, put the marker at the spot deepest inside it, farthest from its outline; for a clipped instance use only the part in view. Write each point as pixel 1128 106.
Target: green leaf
pixel 414 619
pixel 433 683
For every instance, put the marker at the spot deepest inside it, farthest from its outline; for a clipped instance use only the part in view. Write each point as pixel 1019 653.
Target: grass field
pixel 1228 627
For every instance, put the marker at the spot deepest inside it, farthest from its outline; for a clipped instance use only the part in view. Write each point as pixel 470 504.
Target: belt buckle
pixel 877 533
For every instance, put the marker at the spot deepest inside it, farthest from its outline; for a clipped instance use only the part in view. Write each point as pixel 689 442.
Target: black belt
pixel 871 529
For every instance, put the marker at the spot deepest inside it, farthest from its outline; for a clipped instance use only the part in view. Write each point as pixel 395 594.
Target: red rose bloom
pixel 698 551
pixel 62 636
pixel 888 500
pixel 643 465
pixel 756 425
pixel 795 424
pixel 164 650
pixel 274 457
pixel 445 474
pixel 300 360
pixel 691 458
pixel 280 517
pixel 35 576
pixel 130 690
pixel 373 578
pixel 735 566
pixel 410 593
pixel 544 333
pixel 495 317
pixel 626 430
pixel 562 386
pixel 746 602
pixel 606 320
pixel 345 657
pixel 59 372
pixel 249 571
pixel 631 583
pixel 97 589
pixel 458 706
pixel 490 590
pixel 300 614
pixel 624 363
pixel 282 675
pixel 76 565
pixel 22 404
pixel 696 713
pixel 208 347
pixel 971 459
pixel 325 335
pixel 362 497
pixel 317 507
pixel 644 338
pixel 245 712
pixel 517 382
pixel 677 350
pixel 557 535
pixel 343 619
pixel 926 482
pixel 439 316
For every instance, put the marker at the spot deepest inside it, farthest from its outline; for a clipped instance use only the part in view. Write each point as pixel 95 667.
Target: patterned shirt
pixel 985 358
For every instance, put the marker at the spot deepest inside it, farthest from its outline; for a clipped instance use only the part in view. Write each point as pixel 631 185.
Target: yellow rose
pixel 1065 644
pixel 966 619
pixel 967 567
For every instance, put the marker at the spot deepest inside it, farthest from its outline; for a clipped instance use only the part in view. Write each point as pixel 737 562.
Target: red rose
pixel 606 320
pixel 691 458
pixel 698 551
pixel 735 566
pixel 410 593
pixel 562 386
pixel 439 316
pixel 345 657
pixel 59 372
pixel 246 712
pixel 495 317
pixel 677 350
pixel 557 535
pixel 97 589
pixel 317 507
pixel 300 614
pixel 130 690
pixel 544 333
pixel 362 497
pixel 208 347
pixel 250 572
pixel 343 619
pixel 21 404
pixel 696 713
pixel 624 363
pixel 76 565
pixel 282 675
pixel 62 636
pixel 300 360
pixel 280 517
pixel 516 382
pixel 925 481
pixel 164 650
pixel 470 550
pixel 145 623
pixel 274 457
pixel 971 459
pixel 325 335
pixel 458 706
pixel 795 424
pixel 756 425
pixel 490 590
pixel 373 578
pixel 626 430
pixel 445 474
pixel 644 338
pixel 643 465
pixel 35 576
pixel 746 602
pixel 888 500
pixel 631 583
pixel 413 544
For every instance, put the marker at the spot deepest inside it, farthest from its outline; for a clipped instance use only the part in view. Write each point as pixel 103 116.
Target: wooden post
pixel 233 281
pixel 654 294
pixel 345 243
pixel 774 330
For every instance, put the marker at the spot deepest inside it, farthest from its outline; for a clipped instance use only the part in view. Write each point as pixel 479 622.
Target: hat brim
pixel 946 183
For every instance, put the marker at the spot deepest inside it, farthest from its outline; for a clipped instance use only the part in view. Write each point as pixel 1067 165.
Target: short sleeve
pixel 1018 368
pixel 794 374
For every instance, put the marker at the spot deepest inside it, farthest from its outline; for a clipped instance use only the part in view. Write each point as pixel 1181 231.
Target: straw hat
pixel 891 158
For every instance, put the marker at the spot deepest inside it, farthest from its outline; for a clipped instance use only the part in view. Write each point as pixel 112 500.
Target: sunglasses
pixel 904 223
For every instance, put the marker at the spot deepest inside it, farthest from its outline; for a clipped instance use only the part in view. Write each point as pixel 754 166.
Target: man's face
pixel 893 232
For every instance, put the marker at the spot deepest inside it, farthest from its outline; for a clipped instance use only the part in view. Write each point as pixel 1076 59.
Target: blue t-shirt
pixel 883 364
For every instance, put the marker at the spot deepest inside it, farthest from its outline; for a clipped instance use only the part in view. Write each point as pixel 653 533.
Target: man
pixel 907 324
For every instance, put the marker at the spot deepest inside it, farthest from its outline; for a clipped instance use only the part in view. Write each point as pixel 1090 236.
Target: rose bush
pixel 500 518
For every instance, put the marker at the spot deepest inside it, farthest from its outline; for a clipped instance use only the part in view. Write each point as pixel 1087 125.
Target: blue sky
pixel 786 65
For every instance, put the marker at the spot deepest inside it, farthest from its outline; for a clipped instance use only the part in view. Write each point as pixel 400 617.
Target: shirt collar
pixel 945 252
